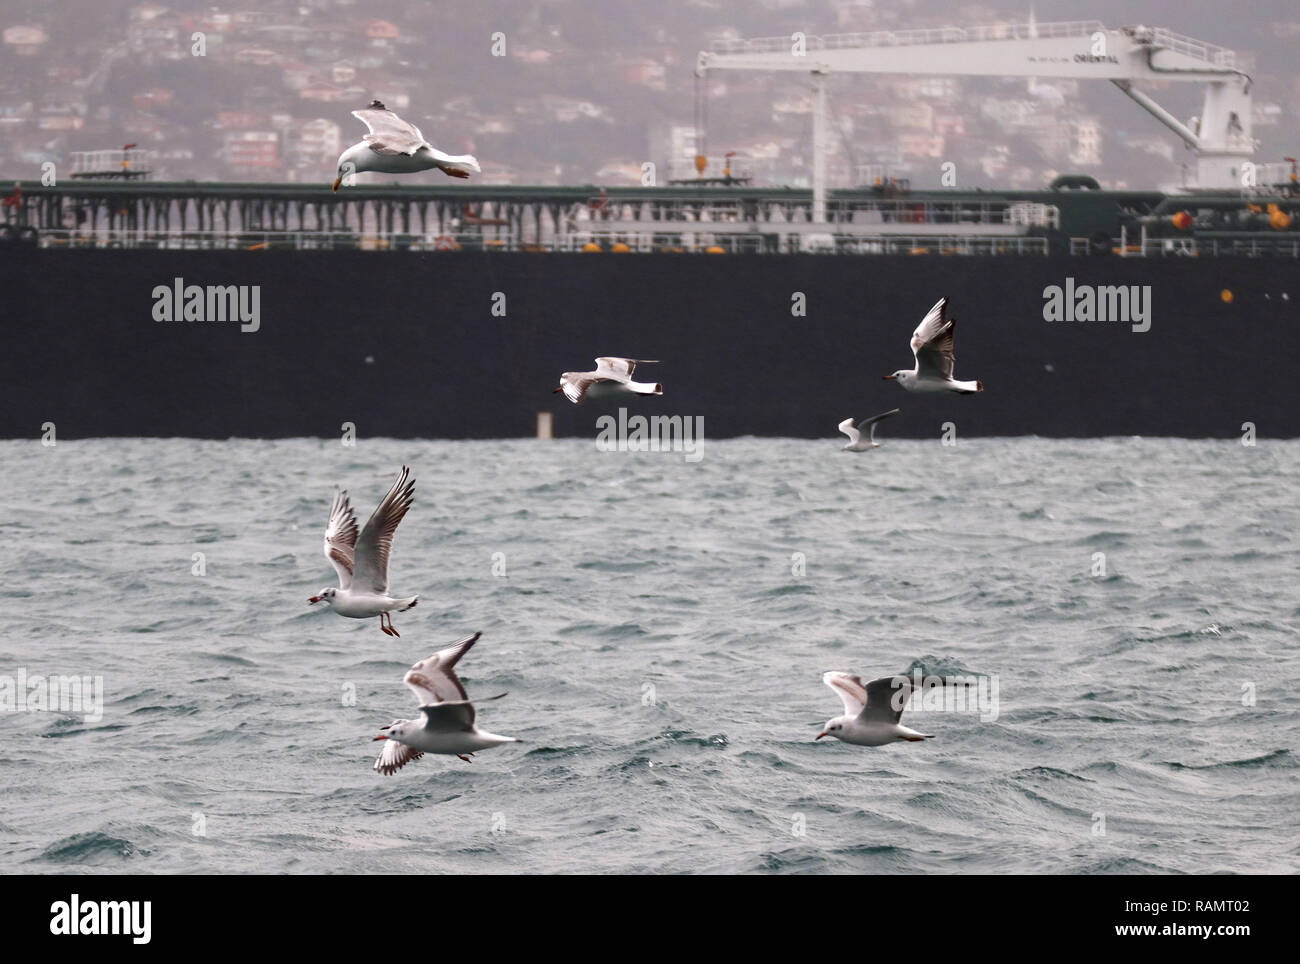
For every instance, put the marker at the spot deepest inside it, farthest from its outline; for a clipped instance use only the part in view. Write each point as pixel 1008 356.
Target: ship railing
pixel 1192 248
pixel 1193 48
pixel 234 240
pixel 825 242
pixel 652 210
pixel 106 163
pixel 906 38
pixel 634 236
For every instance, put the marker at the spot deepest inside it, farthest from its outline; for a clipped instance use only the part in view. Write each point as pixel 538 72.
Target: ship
pixel 214 310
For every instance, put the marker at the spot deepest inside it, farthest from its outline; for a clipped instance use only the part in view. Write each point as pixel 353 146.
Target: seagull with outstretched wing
pixel 854 432
pixel 612 377
pixel 932 346
pixel 395 146
pixel 872 711
pixel 448 724
pixel 361 559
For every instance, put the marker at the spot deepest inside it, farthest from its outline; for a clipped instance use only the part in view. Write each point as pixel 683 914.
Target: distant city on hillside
pixel 583 92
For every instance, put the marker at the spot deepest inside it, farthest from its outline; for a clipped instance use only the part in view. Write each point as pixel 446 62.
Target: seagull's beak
pixel 820 735
pixel 886 377
pixel 379 737
pixel 337 182
pixel 556 391
pixel 314 599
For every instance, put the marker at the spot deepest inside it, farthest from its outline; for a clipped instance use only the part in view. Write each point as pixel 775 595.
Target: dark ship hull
pixel 406 344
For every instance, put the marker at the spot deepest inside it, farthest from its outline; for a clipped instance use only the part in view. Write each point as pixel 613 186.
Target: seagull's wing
pixel 886 698
pixel 849 689
pixel 452 716
pixel 932 341
pixel 575 385
pixel 434 680
pixel 341 537
pixel 620 369
pixel 376 539
pixel 851 430
pixel 394 756
pixel 870 423
pixel 389 134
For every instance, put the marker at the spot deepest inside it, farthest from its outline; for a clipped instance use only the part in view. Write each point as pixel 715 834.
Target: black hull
pixel 84 352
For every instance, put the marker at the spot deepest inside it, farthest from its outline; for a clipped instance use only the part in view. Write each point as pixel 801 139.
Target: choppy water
pixel 663 649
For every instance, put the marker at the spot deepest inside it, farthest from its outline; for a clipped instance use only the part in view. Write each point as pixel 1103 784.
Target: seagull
pixel 613 376
pixel 448 724
pixel 932 346
pixel 363 580
pixel 395 146
pixel 855 436
pixel 871 710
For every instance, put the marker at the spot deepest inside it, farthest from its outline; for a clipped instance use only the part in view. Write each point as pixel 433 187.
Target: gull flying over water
pixel 932 345
pixel 362 560
pixel 856 443
pixel 612 377
pixel 448 715
pixel 870 718
pixel 395 146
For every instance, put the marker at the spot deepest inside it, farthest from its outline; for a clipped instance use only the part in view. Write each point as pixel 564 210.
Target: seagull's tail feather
pixel 408 604
pixel 645 388
pixel 458 165
pixel 913 736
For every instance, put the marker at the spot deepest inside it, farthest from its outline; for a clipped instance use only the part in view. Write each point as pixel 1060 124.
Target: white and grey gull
pixel 612 378
pixel 872 711
pixel 932 344
pixel 396 146
pixel 854 432
pixel 448 725
pixel 361 561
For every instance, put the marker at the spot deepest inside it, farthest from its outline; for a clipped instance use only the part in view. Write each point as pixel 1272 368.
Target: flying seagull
pixel 856 444
pixel 395 146
pixel 932 346
pixel 448 723
pixel 362 561
pixel 871 710
pixel 612 377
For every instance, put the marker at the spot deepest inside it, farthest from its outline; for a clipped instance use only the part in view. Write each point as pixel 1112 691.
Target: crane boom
pixel 1080 49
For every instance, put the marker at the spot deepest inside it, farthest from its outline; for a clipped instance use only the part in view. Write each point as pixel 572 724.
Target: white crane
pixel 1081 49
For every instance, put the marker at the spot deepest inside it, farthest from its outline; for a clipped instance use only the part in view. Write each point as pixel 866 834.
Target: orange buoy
pixel 591 246
pixel 1182 220
pixel 715 249
pixel 620 248
pixel 1226 296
